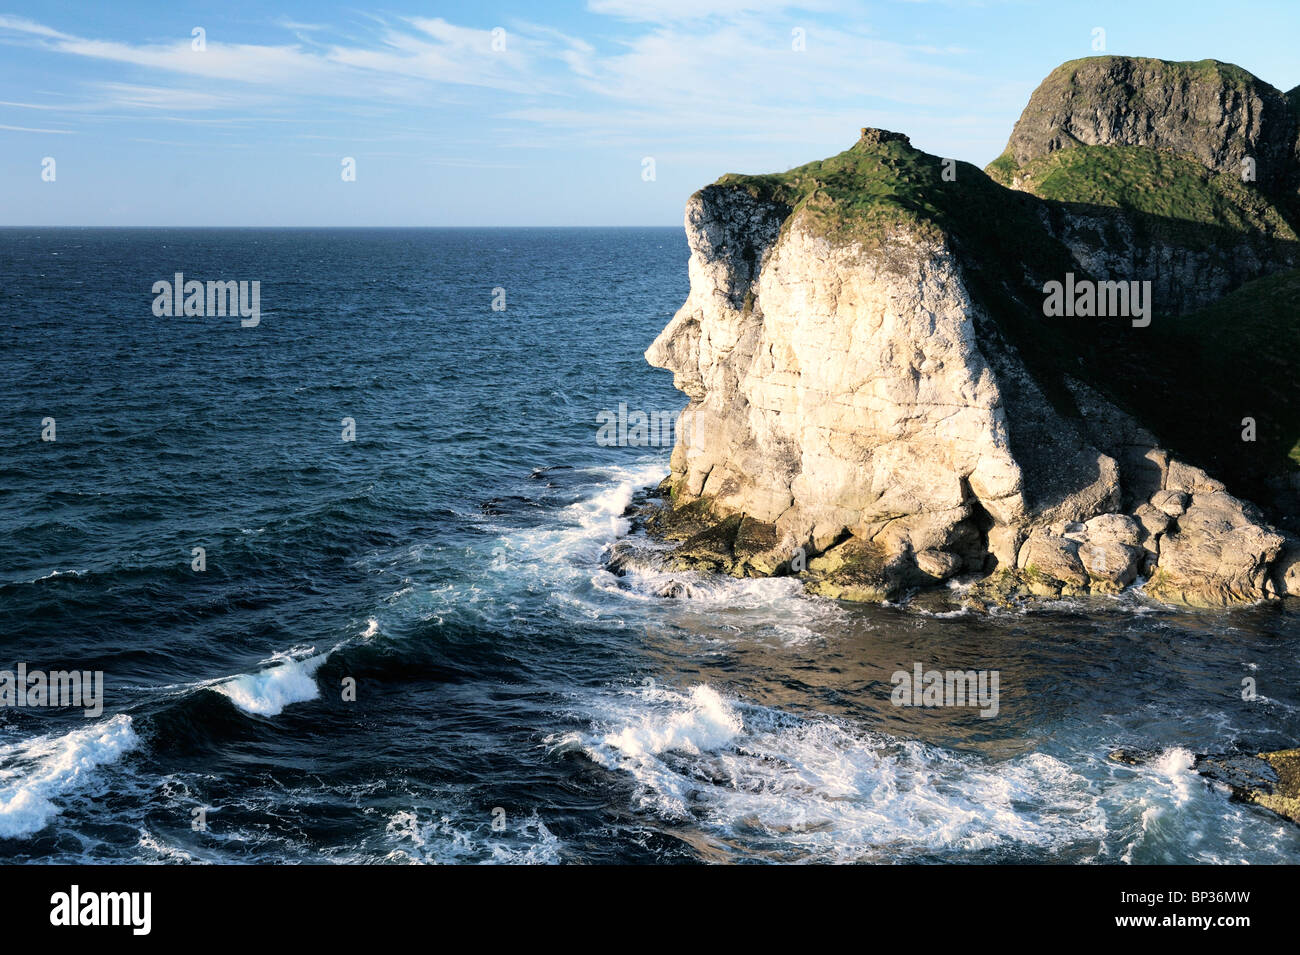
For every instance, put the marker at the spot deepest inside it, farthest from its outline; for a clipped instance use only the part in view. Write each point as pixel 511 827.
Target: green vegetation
pixel 882 182
pixel 1003 170
pixel 1228 77
pixel 1035 575
pixel 1191 379
pixel 1242 352
pixel 857 195
pixel 1155 183
pixel 1159 583
pixel 1041 155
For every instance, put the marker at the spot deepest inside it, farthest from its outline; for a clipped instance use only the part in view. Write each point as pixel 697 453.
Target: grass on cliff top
pixel 997 233
pixel 1153 182
pixel 1230 75
pixel 1191 380
pixel 859 194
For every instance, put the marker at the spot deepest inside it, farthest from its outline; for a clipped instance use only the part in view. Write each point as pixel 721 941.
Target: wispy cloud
pixel 31 27
pixel 686 11
pixel 166 98
pixel 296 26
pixel 418 48
pixel 29 129
pixel 681 72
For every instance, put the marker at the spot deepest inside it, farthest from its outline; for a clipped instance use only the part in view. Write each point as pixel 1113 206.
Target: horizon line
pixel 342 227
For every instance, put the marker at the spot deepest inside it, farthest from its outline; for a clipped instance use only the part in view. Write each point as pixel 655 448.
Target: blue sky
pixel 551 130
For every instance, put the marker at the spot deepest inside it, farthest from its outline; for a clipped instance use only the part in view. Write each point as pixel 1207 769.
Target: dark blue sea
pixel 406 647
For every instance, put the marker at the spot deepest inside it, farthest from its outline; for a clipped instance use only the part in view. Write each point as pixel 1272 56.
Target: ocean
pixel 343 572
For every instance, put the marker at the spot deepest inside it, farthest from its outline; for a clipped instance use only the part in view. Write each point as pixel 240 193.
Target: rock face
pixel 1111 243
pixel 1206 120
pixel 862 411
pixel 1218 114
pixel 847 392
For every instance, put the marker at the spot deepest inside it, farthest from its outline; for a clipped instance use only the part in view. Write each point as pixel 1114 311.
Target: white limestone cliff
pixel 847 414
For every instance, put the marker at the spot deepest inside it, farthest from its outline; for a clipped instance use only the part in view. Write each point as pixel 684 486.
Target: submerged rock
pixel 1133 757
pixel 1270 780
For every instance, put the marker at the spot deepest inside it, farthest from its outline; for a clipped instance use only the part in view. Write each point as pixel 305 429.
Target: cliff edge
pixel 881 397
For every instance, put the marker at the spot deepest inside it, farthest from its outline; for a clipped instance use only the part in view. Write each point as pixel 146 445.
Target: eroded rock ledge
pixel 1269 780
pixel 862 413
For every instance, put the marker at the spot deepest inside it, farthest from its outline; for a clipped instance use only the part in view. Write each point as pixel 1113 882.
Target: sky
pixel 592 112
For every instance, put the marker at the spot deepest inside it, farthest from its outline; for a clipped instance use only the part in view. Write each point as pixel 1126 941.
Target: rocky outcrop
pixel 1188 267
pixel 875 405
pixel 1215 113
pixel 1145 128
pixel 1274 785
pixel 848 392
pixel 1269 780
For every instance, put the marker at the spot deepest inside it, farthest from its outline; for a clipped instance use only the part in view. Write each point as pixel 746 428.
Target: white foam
pixel 438 839
pixel 269 691
pixel 36 771
pixel 820 789
pixel 645 581
pixel 565 560
pixel 1165 813
pixel 589 524
pixel 1158 798
pixel 705 723
pixel 765 605
pixel 150 843
pixel 1175 765
pixel 557 558
pixel 59 573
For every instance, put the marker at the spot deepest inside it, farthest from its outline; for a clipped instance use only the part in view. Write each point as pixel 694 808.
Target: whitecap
pixel 35 772
pixel 440 839
pixel 775 785
pixel 59 573
pixel 267 692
